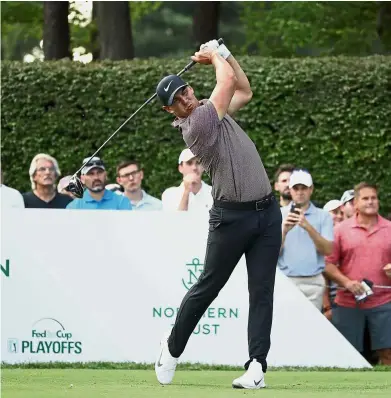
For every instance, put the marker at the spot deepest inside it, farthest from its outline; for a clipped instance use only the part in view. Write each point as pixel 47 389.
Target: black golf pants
pixel 232 233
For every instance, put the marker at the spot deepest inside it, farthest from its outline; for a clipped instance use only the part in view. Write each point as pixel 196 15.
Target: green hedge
pixel 329 115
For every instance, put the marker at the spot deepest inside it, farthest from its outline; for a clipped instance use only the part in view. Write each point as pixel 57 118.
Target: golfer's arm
pixel 243 93
pixel 332 272
pixel 225 85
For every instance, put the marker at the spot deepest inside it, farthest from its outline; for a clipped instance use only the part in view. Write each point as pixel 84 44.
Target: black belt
pixel 257 205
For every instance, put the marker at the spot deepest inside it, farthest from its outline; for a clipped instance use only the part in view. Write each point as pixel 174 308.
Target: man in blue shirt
pixel 96 197
pixel 130 176
pixel 307 236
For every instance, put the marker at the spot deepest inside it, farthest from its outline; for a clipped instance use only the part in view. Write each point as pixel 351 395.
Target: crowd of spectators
pixel 338 255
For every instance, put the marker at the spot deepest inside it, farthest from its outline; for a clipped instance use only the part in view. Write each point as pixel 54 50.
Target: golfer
pixel 245 217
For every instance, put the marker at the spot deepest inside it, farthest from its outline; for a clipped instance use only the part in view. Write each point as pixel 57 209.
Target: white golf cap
pixel 185 156
pixel 347 196
pixel 332 205
pixel 300 177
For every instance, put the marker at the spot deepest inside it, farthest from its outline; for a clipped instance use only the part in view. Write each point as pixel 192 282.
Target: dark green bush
pixel 330 115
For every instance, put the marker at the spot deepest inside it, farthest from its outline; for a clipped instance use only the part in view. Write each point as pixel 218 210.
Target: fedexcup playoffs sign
pixel 47 336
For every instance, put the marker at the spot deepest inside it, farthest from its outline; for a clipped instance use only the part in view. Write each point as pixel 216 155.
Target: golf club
pixel 75 185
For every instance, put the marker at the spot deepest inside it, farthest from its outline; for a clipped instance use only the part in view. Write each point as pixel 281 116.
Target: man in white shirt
pixel 10 197
pixel 193 194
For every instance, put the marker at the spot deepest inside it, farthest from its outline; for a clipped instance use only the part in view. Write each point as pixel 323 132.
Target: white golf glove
pixel 214 45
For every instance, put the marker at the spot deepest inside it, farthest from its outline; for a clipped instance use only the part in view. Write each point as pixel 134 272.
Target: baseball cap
pixel 185 156
pixel 332 205
pixel 300 177
pixel 94 162
pixel 167 88
pixel 347 196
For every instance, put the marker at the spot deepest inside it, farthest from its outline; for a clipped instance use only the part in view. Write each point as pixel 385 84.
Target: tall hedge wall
pixel 329 115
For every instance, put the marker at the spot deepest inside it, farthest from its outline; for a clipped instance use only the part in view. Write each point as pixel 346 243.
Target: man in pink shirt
pixel 362 250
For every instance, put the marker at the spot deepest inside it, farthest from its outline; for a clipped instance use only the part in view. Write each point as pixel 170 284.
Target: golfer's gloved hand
pixel 214 45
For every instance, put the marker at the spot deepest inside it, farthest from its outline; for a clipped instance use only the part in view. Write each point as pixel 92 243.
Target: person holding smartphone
pixel 307 236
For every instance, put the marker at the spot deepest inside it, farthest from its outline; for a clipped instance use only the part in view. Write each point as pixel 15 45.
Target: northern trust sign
pixel 211 320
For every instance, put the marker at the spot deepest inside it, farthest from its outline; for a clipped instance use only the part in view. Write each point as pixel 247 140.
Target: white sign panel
pixel 106 286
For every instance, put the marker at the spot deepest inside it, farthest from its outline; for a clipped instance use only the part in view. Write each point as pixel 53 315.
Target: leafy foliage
pixel 312 28
pixel 21 27
pixel 329 115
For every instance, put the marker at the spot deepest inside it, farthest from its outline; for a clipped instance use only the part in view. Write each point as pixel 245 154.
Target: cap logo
pixel 166 88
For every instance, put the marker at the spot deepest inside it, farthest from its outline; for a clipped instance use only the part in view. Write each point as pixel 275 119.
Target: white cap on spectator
pixel 185 156
pixel 116 188
pixel 347 196
pixel 300 177
pixel 332 205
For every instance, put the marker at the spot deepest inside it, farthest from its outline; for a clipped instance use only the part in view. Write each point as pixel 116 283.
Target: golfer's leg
pixel 261 259
pixel 224 250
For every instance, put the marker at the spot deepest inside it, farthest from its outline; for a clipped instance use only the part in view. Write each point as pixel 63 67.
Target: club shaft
pixel 118 129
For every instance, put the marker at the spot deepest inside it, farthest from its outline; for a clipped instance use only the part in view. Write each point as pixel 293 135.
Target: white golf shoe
pixel 165 364
pixel 253 379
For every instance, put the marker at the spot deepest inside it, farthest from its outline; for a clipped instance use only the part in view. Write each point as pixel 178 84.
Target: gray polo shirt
pixel 227 154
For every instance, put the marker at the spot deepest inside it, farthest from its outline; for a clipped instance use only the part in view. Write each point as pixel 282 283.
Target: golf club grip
pixel 192 63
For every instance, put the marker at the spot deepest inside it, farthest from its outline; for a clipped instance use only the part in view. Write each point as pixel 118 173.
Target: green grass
pixel 92 383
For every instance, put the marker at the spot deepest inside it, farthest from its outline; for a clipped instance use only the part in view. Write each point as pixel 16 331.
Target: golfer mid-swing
pixel 245 217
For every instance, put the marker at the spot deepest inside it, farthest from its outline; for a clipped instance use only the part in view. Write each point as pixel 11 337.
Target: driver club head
pixel 75 186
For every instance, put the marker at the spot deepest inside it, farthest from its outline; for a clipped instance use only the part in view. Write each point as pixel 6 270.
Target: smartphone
pixel 295 206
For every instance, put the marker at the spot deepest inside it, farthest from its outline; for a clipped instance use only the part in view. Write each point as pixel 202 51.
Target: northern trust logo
pixel 47 336
pixel 194 270
pixel 211 319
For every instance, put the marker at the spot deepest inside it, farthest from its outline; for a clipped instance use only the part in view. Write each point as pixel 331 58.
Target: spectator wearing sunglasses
pixel 44 172
pixel 130 177
pixel 96 196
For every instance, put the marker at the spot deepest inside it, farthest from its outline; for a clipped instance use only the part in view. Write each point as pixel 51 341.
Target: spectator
pixel 307 236
pixel 10 197
pixel 130 177
pixel 333 207
pixel 44 172
pixel 347 203
pixel 281 183
pixel 193 193
pixel 96 196
pixel 62 184
pixel 362 250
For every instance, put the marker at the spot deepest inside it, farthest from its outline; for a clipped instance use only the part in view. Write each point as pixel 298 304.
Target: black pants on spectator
pixel 232 233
